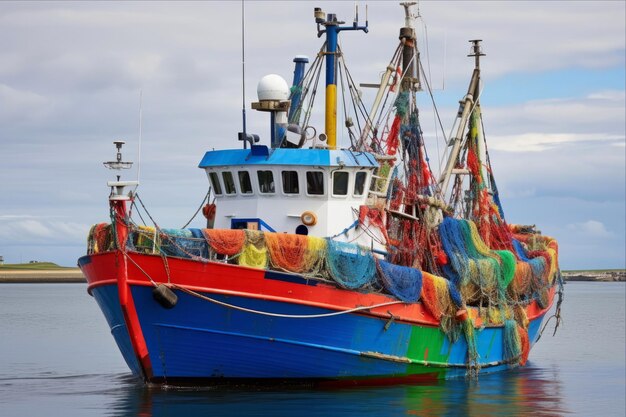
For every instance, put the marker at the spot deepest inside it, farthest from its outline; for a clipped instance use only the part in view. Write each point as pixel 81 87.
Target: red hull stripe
pixel 226 279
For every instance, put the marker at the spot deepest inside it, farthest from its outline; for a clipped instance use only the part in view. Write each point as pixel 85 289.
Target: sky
pixel 72 73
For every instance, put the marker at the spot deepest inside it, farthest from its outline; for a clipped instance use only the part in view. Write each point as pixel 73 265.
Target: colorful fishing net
pixel 475 269
pixel 253 257
pixel 254 254
pixel 225 241
pixel 535 269
pixel 295 253
pixel 100 238
pixel 401 281
pixel 472 346
pixel 436 296
pixel 512 347
pixel 524 345
pixel 183 243
pixel 144 239
pixel 350 265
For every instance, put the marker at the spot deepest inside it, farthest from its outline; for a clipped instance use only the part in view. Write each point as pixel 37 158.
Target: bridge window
pixel 359 183
pixel 266 182
pixel 290 182
pixel 340 182
pixel 244 182
pixel 215 182
pixel 229 182
pixel 315 183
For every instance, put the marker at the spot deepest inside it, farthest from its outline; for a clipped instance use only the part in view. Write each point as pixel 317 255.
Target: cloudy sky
pixel 71 74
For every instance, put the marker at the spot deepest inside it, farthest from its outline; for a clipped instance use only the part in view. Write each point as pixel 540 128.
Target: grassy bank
pixel 35 266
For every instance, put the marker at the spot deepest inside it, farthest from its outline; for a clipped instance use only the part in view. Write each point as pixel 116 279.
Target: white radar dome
pixel 272 87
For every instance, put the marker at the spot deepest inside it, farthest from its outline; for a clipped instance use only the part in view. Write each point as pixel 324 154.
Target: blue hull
pixel 198 339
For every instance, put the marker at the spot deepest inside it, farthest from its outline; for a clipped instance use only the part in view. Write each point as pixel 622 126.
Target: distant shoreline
pixel 73 275
pixel 595 276
pixel 69 275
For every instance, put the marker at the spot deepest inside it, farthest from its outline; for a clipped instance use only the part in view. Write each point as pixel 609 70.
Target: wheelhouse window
pixel 340 182
pixel 215 183
pixel 245 185
pixel 359 183
pixel 290 182
pixel 315 183
pixel 229 182
pixel 266 182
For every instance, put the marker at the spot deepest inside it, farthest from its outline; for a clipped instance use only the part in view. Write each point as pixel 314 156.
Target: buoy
pixel 461 315
pixel 308 218
pixel 164 296
pixel 209 211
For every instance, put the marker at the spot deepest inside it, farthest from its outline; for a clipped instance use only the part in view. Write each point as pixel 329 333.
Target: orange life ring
pixel 308 218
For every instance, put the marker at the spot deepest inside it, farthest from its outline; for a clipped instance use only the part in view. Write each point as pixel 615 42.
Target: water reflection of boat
pixel 527 391
pixel 329 265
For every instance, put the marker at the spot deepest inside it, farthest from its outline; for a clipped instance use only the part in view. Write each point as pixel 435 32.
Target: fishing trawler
pixel 330 265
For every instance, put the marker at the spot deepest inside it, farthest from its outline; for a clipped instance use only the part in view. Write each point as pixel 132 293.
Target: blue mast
pixel 298 75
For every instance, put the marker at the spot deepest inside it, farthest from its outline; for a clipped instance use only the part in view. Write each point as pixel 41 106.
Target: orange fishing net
pixel 522 278
pixel 287 251
pixel 102 237
pixel 525 345
pixel 436 296
pixel 225 241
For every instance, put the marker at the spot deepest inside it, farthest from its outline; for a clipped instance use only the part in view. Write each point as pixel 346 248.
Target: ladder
pixel 381 180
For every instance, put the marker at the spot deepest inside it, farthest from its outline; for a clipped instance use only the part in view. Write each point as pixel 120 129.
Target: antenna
pixel 445 55
pixel 140 135
pixel 243 70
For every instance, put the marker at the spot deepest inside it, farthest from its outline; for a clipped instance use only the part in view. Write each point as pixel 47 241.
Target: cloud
pixel 539 141
pixel 21 106
pixel 609 95
pixel 71 72
pixel 537 125
pixel 23 229
pixel 591 228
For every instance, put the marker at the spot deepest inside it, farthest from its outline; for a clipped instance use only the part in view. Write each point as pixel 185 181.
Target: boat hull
pixel 220 333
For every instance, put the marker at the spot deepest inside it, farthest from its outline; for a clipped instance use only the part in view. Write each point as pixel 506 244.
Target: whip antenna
pixel 140 135
pixel 243 70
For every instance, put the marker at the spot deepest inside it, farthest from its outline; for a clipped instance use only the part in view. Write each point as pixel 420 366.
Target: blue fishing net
pixel 519 249
pixel 453 243
pixel 350 265
pixel 402 282
pixel 455 295
pixel 511 344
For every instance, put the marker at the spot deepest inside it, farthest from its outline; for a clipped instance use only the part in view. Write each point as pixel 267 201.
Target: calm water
pixel 57 358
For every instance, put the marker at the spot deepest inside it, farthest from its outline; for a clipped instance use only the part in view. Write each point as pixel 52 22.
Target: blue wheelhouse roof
pixel 261 155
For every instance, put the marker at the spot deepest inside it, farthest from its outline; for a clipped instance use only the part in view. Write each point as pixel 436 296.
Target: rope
pixel 287 316
pixel 557 313
pixel 144 272
pixel 206 197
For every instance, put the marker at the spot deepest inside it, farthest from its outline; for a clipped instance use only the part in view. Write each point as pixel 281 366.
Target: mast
pixel 410 80
pixel 466 105
pixel 332 29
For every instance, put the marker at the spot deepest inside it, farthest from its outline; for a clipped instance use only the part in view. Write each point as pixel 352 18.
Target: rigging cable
pixel 206 198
